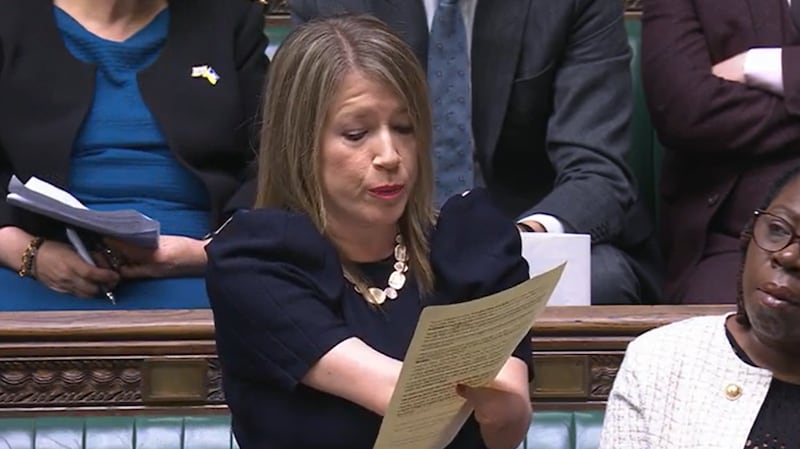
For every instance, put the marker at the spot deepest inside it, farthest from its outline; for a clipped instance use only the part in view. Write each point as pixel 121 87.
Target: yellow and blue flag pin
pixel 207 72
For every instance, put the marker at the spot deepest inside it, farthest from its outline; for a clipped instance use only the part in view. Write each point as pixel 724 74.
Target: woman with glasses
pixel 729 381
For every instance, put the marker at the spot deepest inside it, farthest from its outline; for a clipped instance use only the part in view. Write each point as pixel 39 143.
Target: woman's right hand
pixel 61 269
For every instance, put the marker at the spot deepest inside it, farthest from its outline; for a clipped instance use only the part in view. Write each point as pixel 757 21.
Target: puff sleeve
pixel 275 287
pixel 477 251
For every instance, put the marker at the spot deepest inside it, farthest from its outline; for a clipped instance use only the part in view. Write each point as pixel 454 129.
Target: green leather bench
pixel 549 430
pixel 644 156
pixel 564 430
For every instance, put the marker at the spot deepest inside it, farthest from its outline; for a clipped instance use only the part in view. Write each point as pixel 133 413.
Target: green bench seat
pixel 549 430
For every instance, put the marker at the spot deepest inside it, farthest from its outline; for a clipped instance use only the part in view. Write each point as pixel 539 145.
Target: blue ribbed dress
pixel 121 160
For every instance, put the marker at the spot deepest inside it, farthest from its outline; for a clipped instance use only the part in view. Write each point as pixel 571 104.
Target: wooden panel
pixel 175 380
pixel 163 361
pixel 568 340
pixel 561 376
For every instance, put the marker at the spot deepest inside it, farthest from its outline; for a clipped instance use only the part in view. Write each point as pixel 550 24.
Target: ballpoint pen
pixel 79 246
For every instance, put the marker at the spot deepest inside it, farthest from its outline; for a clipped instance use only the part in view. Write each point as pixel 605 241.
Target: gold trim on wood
pixel 586 377
pixel 560 376
pixel 175 379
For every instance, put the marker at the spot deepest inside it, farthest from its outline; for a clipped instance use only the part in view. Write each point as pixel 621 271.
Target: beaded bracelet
pixel 29 257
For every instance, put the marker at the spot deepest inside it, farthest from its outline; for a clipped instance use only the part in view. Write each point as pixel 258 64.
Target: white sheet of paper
pixel 466 343
pixel 543 251
pixel 47 189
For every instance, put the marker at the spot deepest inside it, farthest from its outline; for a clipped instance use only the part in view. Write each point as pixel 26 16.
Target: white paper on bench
pixel 543 251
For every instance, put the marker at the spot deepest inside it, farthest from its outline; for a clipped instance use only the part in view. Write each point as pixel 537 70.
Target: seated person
pixel 316 293
pixel 728 381
pixel 722 81
pixel 99 98
pixel 533 100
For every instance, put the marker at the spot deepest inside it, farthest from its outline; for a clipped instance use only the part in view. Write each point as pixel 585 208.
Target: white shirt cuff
pixel 763 68
pixel 551 224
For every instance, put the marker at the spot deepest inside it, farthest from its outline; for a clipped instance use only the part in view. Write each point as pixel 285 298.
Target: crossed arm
pixel 701 106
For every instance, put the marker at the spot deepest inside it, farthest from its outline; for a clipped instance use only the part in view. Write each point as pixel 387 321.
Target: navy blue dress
pixel 121 160
pixel 280 302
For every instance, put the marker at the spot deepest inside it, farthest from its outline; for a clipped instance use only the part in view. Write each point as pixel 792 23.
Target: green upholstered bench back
pixel 565 430
pixel 646 152
pixel 195 432
pixel 276 30
pixel 549 430
pixel 641 158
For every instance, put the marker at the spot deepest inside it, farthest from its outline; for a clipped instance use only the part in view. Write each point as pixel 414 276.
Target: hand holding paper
pixel 466 343
pixel 502 409
pixel 491 404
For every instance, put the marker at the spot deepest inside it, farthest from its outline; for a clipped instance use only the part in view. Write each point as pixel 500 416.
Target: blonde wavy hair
pixel 305 76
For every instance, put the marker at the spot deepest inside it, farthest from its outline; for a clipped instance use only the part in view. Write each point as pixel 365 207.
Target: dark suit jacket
pixel 45 94
pixel 726 142
pixel 551 109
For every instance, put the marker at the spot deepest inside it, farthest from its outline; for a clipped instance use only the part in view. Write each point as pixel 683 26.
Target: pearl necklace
pixel 397 279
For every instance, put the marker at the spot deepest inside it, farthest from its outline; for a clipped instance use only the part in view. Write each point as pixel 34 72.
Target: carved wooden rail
pixel 577 350
pixel 131 362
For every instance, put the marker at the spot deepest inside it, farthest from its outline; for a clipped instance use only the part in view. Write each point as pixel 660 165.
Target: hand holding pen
pixel 59 267
pixel 107 254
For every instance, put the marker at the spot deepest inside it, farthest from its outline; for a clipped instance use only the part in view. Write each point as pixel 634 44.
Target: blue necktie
pixel 448 82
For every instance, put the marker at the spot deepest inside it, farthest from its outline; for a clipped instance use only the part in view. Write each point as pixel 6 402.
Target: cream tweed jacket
pixel 682 386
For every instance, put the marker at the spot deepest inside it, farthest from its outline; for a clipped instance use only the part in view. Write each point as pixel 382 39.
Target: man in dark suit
pixel 551 104
pixel 723 89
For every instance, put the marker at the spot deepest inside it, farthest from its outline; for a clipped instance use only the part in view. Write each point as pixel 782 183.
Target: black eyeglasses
pixel 772 233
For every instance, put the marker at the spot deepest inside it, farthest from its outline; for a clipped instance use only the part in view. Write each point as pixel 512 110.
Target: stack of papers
pixel 46 199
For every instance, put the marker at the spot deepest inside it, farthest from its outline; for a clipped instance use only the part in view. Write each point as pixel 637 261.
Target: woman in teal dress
pixel 127 126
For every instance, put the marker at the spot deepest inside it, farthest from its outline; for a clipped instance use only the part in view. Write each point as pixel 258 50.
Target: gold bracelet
pixel 29 257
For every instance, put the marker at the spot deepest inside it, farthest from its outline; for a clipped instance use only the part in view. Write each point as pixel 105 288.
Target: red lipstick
pixel 387 191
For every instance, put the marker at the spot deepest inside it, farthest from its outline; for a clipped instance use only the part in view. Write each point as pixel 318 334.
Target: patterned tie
pixel 448 81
